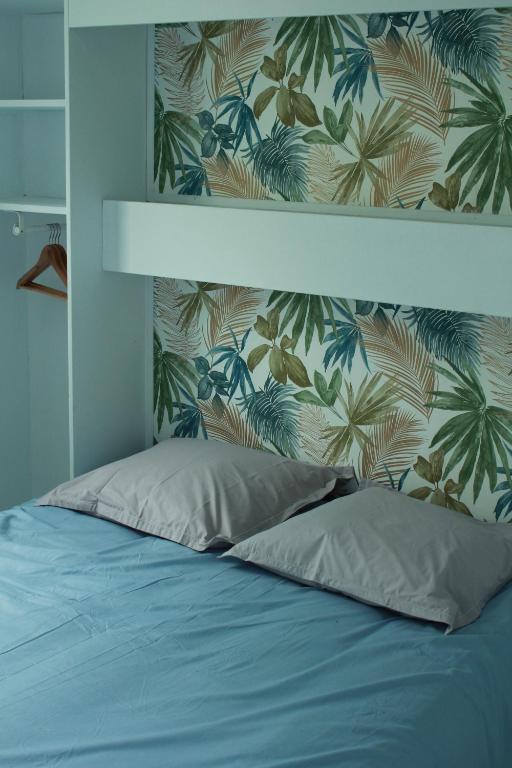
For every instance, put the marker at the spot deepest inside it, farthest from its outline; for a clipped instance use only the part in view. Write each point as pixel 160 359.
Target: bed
pixel 123 650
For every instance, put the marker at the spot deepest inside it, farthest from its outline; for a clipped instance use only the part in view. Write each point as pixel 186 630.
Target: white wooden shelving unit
pixel 34 442
pixel 35 105
pixel 40 205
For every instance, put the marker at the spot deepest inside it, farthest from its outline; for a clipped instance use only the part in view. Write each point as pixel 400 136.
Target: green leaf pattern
pixel 422 410
pixel 376 89
pixel 418 398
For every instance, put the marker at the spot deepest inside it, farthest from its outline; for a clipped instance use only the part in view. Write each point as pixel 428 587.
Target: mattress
pixel 119 650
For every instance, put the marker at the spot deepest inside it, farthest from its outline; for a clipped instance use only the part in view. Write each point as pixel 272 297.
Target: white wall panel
pixel 107 139
pixel 15 475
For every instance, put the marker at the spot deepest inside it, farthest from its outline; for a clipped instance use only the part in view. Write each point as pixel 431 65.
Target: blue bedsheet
pixel 119 650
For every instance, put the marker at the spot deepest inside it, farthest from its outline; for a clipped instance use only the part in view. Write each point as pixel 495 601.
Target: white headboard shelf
pixel 96 13
pixel 463 267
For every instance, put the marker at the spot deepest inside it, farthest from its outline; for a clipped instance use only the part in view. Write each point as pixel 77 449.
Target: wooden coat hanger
pixel 53 255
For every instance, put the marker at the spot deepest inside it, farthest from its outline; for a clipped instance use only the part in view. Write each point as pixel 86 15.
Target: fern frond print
pixel 374 112
pixel 324 110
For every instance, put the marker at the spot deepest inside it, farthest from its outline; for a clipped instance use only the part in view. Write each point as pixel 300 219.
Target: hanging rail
pixel 19 228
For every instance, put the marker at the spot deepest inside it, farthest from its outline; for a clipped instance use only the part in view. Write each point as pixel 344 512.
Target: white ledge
pixel 96 13
pixel 463 267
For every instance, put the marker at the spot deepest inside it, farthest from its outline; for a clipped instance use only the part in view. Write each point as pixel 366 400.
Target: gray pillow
pixel 200 493
pixel 389 550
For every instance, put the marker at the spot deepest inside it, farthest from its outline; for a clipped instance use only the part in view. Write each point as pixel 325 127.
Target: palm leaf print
pixel 391 446
pixel 231 427
pixel 496 346
pixel 280 162
pixel 467 40
pixel 169 46
pixel 399 353
pixel 374 400
pixel 315 38
pixel 478 436
pixel 274 415
pixel 307 313
pixel 234 179
pixel 406 175
pixel 322 165
pixel 375 139
pixel 182 341
pixel 194 55
pixel 192 304
pixel 486 154
pixel 173 379
pixel 313 425
pixel 239 54
pixel 452 336
pixel 233 313
pixel 414 77
pixel 506 48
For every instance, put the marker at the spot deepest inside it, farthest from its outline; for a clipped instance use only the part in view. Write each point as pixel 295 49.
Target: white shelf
pixel 26 105
pixel 98 13
pixel 43 205
pixel 349 262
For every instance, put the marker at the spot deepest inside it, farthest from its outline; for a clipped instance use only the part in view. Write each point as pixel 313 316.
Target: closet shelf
pixel 25 105
pixel 34 205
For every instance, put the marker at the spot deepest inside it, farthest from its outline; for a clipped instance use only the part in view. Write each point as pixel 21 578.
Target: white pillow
pixel 200 493
pixel 389 550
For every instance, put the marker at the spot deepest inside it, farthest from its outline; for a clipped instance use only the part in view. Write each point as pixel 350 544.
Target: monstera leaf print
pixel 486 154
pixel 477 436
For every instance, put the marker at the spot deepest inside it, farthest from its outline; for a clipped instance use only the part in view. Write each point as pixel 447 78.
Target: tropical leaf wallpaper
pixel 419 399
pixel 408 110
pixel 399 110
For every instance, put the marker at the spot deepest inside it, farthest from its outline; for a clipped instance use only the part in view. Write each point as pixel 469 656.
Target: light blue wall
pixel 15 472
pixel 47 354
